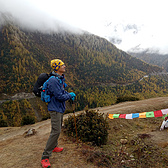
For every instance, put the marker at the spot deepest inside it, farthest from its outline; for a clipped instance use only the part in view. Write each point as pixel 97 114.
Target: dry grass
pixel 18 151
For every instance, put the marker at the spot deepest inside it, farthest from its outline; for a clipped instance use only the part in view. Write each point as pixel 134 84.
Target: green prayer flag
pixel 150 114
pixel 116 115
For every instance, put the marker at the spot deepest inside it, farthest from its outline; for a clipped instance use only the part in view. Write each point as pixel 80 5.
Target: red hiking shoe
pixel 57 149
pixel 45 163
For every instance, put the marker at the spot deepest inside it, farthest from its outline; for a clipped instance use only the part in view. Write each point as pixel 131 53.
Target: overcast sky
pixel 94 15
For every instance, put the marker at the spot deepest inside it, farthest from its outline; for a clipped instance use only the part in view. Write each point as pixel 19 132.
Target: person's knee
pixel 56 131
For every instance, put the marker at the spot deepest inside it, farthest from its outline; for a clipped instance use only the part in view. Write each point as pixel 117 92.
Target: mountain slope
pixel 89 59
pixel 153 58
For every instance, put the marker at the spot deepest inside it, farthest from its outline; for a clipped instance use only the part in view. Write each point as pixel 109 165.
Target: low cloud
pixel 32 18
pixel 138 37
pixel 147 18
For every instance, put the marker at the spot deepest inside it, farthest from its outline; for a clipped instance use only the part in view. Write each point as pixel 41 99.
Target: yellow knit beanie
pixel 56 64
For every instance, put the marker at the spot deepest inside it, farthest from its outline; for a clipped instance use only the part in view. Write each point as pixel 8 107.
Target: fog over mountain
pixel 30 17
pixel 132 26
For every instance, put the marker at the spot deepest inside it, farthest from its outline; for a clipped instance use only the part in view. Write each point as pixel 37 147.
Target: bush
pixel 26 120
pixel 126 98
pixel 68 111
pixel 91 127
pixel 3 123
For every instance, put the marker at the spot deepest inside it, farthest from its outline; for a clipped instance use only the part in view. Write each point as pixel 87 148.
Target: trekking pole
pixel 73 107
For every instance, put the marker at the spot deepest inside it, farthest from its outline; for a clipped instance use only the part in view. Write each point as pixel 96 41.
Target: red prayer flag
pixel 158 113
pixel 122 115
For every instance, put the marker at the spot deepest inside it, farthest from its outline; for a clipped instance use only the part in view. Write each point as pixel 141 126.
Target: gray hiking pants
pixel 56 124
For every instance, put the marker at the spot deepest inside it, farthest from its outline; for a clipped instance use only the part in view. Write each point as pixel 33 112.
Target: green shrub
pixel 45 117
pixel 26 120
pixel 126 98
pixel 91 127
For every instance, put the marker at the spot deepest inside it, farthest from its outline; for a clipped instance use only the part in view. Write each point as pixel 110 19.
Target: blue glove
pixel 73 95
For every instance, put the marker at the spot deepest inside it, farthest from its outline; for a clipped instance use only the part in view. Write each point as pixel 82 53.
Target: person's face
pixel 62 69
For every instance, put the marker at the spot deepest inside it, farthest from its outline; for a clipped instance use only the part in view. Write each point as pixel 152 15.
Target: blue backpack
pixel 45 97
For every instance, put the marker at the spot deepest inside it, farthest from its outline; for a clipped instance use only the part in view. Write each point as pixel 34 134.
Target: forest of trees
pixel 90 60
pixel 14 113
pixel 22 112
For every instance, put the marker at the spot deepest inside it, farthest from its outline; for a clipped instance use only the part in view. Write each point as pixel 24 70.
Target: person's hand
pixel 73 95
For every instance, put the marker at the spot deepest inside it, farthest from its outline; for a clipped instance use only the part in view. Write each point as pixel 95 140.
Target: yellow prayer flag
pixel 111 116
pixel 142 115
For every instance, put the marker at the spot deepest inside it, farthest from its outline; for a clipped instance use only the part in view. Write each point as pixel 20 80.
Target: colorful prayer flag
pixel 164 111
pixel 158 113
pixel 111 116
pixel 150 114
pixel 116 115
pixel 122 116
pixel 128 116
pixel 142 115
pixel 135 115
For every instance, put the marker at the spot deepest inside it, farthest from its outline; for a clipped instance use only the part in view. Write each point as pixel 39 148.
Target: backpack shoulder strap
pixel 60 81
pixel 45 83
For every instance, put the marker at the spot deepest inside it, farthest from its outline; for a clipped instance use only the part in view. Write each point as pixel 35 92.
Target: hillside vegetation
pixel 153 58
pixel 96 70
pixel 90 60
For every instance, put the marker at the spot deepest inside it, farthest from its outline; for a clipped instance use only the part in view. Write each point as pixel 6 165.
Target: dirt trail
pixel 18 151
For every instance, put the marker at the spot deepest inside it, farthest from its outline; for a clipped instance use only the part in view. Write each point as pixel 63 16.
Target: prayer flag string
pixel 158 113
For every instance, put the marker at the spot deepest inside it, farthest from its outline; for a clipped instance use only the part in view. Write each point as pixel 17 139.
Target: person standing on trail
pixel 56 108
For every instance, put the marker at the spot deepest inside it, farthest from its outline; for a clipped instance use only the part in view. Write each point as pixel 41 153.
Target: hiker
pixel 164 124
pixel 56 108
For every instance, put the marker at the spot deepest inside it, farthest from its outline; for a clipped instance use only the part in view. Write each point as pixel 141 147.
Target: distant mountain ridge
pixel 153 58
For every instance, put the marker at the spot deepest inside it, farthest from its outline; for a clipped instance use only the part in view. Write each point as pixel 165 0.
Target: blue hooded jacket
pixel 58 94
